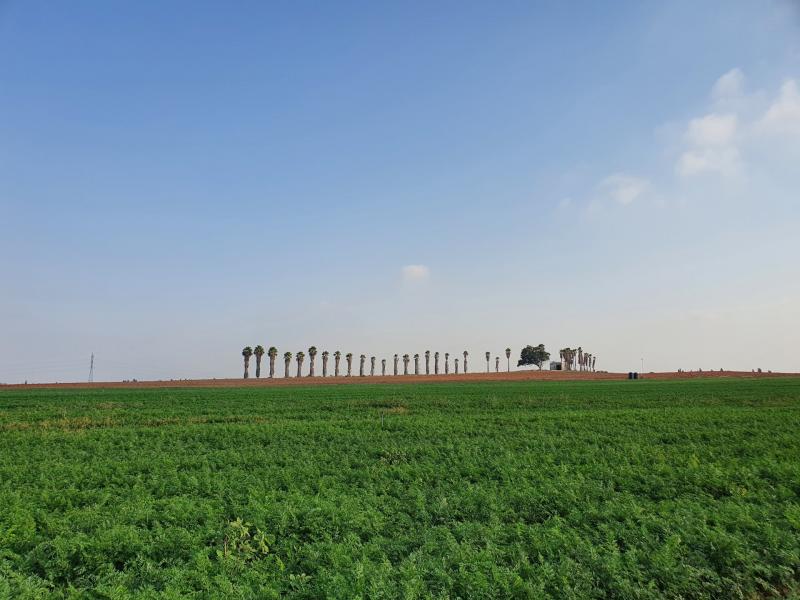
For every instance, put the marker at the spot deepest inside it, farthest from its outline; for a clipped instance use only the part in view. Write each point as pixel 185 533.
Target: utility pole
pixel 91 368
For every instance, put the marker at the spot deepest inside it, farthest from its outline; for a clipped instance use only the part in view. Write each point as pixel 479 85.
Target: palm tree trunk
pixel 416 366
pixel 427 365
pixel 286 363
pixel 446 364
pixel 456 361
pixel 383 367
pixel 436 364
pixel 246 368
pixel 271 367
pixel 395 364
pixel 372 366
pixel 258 367
pixel 336 360
pixel 311 366
pixel 324 366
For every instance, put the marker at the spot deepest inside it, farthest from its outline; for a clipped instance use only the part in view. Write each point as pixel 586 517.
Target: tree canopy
pixel 533 355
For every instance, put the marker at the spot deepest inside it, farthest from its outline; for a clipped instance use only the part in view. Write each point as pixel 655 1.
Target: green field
pixel 490 490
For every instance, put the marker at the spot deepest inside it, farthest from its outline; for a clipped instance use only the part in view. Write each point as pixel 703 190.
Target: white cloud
pixel 725 161
pixel 622 188
pixel 712 142
pixel 783 116
pixel 730 85
pixel 712 130
pixel 416 273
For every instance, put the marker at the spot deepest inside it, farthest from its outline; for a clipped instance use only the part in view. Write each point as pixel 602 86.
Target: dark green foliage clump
pixel 684 489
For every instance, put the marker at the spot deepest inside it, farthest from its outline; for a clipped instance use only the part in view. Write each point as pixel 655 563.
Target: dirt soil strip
pixel 469 377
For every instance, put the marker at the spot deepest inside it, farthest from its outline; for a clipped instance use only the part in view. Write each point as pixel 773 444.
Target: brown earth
pixel 503 376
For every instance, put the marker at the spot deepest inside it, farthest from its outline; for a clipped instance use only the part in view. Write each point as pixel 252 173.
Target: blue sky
pixel 177 181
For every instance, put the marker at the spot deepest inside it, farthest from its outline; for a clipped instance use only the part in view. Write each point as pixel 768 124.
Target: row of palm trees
pixel 577 359
pixel 259 352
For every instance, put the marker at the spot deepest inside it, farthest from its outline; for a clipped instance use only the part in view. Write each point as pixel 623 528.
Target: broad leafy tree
pixel 533 355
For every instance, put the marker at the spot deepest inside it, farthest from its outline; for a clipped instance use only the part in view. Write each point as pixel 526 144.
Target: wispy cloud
pixel 415 273
pixel 622 188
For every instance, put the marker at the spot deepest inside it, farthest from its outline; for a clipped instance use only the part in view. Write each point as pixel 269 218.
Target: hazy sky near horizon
pixel 179 180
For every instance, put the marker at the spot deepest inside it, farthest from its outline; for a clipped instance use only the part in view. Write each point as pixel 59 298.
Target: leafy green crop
pixel 679 489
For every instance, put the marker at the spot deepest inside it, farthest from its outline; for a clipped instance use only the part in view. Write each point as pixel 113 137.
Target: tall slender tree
pixel 427 362
pixel 508 359
pixel 594 362
pixel 337 358
pixel 396 359
pixel 496 364
pixel 456 361
pixel 349 357
pixel 580 358
pixel 258 351
pixel 300 357
pixel 446 363
pixel 372 366
pixel 361 367
pixel 466 354
pixel 273 354
pixel 287 360
pixel 312 354
pixel 383 367
pixel 488 356
pixel 406 358
pixel 325 355
pixel 435 363
pixel 416 364
pixel 247 352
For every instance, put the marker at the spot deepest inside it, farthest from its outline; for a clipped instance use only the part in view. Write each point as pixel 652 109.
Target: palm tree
pixel 259 352
pixel 446 363
pixel 466 354
pixel 383 367
pixel 361 368
pixel 427 362
pixel 287 359
pixel 337 357
pixel 580 358
pixel 416 364
pixel 325 355
pixel 273 354
pixel 435 363
pixel 300 356
pixel 488 356
pixel 594 360
pixel 395 363
pixel 371 366
pixel 405 364
pixel 496 364
pixel 349 357
pixel 312 354
pixel 508 358
pixel 247 352
pixel 456 361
